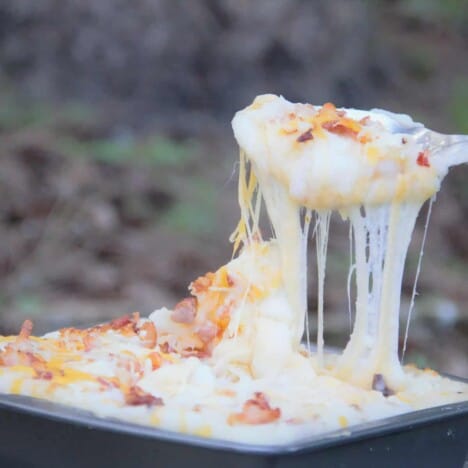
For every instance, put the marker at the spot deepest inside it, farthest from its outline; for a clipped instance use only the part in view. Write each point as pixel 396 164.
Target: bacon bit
pixel 224 318
pixel 255 411
pixel 207 332
pixel 307 135
pixel 365 120
pixel 365 139
pixel 110 382
pixel 88 341
pixel 329 106
pixel 150 336
pixel 126 325
pixel 11 356
pixel 230 281
pixel 26 330
pixel 379 385
pixel 404 141
pixel 335 126
pixel 120 322
pixel 194 352
pixel 156 360
pixel 166 348
pixel 185 311
pixel 340 113
pixel 137 397
pixel 45 375
pixel 202 284
pixel 423 159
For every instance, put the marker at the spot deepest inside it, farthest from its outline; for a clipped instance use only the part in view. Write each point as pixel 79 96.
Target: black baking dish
pixel 37 433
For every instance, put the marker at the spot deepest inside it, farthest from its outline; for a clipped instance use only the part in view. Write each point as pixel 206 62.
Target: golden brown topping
pixel 109 382
pixel 26 330
pixel 137 397
pixel 185 311
pixel 148 334
pixel 207 332
pixel 156 360
pixel 120 322
pixel 89 341
pixel 307 135
pixel 340 127
pixel 44 375
pixel 423 159
pixel 329 107
pixel 256 411
pixel 202 284
pixel 12 356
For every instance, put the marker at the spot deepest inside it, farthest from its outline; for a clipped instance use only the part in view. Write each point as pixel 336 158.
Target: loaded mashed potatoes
pixel 228 361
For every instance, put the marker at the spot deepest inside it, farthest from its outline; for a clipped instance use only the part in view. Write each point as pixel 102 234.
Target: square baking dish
pixel 38 433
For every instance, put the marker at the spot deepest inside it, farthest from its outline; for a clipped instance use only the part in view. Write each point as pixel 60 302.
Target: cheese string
pixel 416 277
pixel 305 237
pixel 321 239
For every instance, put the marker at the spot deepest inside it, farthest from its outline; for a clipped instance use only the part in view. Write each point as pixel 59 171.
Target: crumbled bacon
pixel 230 281
pixel 202 284
pixel 166 348
pixel 380 385
pixel 148 334
pixel 329 107
pixel 26 330
pixel 307 135
pixel 109 382
pixel 423 159
pixel 156 360
pixel 12 356
pixel 257 410
pixel 207 332
pixel 120 322
pixel 365 120
pixel 185 311
pixel 337 127
pixel 137 397
pixel 44 375
pixel 88 341
pixel 195 352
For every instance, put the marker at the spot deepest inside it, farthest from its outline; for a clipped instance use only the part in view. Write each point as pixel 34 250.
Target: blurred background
pixel 118 166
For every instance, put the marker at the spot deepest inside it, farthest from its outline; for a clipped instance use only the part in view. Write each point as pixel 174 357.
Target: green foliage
pixel 155 151
pixel 194 215
pixel 459 105
pixel 419 62
pixel 14 116
pixel 18 114
pixel 418 359
pixel 29 304
pixel 453 13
